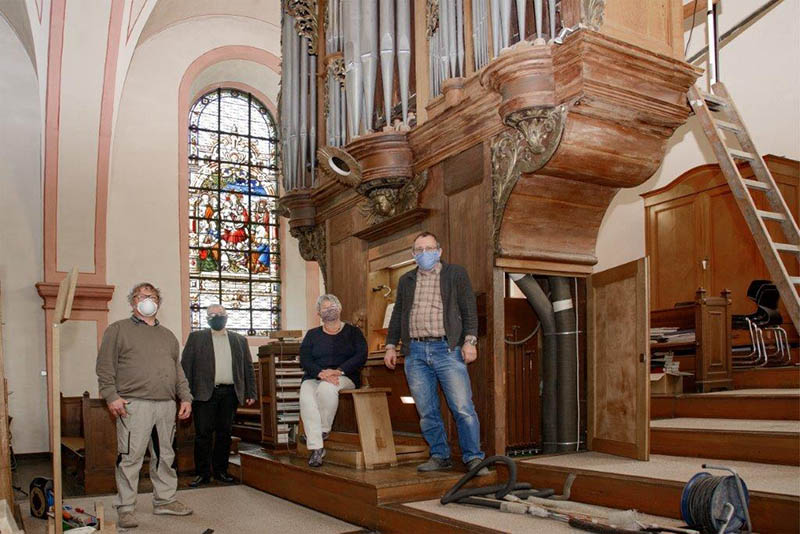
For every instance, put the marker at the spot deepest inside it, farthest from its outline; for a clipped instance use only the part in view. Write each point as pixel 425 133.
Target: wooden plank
pixel 769 512
pixel 763 447
pixel 766 377
pixel 399 519
pixel 6 485
pixel 374 427
pixel 761 407
pixel 618 377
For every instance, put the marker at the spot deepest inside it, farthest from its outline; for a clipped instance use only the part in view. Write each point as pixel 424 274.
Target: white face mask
pixel 147 307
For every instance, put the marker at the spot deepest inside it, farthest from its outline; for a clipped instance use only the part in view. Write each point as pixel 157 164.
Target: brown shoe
pixel 126 520
pixel 173 508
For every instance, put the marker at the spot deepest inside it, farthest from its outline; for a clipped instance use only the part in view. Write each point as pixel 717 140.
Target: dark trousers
pixel 213 420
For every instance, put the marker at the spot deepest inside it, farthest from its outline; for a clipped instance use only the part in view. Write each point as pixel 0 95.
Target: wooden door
pixel 619 361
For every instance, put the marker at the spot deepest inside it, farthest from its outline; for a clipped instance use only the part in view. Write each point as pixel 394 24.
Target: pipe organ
pixel 504 126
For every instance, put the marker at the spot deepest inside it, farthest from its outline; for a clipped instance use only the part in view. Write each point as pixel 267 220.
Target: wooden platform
pixel 371 498
pixel 771 442
pixel 651 494
pixel 760 404
pixel 767 377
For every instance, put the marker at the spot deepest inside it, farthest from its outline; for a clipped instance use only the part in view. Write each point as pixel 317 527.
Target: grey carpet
pixel 226 510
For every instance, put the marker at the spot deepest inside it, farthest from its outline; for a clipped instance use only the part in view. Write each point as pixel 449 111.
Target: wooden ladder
pixel 717 112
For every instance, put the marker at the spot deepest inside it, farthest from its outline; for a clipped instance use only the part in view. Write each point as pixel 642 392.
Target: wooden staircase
pixel 718 115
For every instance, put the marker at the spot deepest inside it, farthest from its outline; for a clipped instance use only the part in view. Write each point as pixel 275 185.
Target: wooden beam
pixel 691 7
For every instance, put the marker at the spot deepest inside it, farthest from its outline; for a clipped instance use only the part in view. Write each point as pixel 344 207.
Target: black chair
pixel 766 317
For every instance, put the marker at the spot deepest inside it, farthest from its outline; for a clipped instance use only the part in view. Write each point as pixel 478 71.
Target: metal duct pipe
pixel 352 64
pixel 567 364
pixel 369 57
pixel 544 310
pixel 387 56
pixel 404 53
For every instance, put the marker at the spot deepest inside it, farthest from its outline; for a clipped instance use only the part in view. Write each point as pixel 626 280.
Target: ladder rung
pixel 786 247
pixel 739 154
pixel 731 127
pixel 755 184
pixel 714 99
pixel 795 280
pixel 772 215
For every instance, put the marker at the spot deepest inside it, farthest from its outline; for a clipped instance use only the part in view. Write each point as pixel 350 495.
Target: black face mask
pixel 217 322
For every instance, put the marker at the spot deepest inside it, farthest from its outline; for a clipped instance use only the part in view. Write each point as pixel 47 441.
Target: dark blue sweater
pixel 346 350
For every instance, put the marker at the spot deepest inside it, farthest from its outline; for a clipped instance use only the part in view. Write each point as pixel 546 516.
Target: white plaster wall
pixel 78 358
pixel 82 68
pixel 21 244
pixel 143 229
pixel 761 69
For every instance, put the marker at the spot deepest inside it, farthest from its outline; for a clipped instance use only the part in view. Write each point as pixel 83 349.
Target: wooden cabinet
pixel 696 237
pixel 280 376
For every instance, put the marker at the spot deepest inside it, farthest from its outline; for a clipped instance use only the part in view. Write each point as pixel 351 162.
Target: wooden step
pixel 740 154
pixel 786 247
pixel 714 100
pixel 723 406
pixel 725 125
pixel 771 215
pixel 767 377
pixel 651 494
pixel 769 442
pixel 755 184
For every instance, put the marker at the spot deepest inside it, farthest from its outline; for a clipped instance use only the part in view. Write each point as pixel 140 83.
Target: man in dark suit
pixel 219 368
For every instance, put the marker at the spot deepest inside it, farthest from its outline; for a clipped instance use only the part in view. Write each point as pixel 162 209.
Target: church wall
pixel 760 69
pixel 21 243
pixel 144 199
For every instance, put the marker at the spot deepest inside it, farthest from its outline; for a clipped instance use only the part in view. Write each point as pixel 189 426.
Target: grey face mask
pixel 331 314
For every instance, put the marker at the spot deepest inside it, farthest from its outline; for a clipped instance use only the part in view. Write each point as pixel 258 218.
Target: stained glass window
pixel 234 250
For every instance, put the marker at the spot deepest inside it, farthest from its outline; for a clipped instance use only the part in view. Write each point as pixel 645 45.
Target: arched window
pixel 234 251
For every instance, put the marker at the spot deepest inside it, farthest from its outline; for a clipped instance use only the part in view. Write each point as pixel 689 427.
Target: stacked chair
pixel 766 318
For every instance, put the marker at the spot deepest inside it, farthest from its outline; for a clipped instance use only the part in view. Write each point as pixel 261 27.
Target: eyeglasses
pixel 416 250
pixel 210 315
pixel 142 296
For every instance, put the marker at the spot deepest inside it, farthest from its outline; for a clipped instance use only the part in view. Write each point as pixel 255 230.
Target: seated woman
pixel 332 356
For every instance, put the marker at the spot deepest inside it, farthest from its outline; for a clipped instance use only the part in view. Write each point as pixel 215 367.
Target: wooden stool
pixel 374 425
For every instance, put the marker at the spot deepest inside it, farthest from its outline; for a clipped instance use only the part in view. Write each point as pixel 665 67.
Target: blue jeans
pixel 428 364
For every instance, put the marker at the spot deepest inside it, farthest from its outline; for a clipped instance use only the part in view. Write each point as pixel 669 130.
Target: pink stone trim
pixel 212 57
pixel 133 20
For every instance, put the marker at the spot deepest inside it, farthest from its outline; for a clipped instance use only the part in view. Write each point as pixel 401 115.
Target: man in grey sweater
pixel 140 376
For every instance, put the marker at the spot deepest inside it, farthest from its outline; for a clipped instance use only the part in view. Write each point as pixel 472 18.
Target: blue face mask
pixel 217 322
pixel 427 260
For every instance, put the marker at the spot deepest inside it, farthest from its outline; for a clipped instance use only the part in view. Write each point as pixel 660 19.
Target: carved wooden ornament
pixel 312 244
pixel 524 149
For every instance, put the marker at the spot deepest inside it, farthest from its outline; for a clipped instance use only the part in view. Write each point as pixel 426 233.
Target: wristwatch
pixel 471 340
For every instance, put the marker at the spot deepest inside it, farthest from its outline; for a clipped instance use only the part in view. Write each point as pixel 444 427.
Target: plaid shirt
pixel 427 312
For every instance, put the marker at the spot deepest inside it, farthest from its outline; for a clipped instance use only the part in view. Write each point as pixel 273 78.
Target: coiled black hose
pixel 456 493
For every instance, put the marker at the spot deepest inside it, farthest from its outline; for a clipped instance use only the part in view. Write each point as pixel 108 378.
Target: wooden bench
pixel 375 445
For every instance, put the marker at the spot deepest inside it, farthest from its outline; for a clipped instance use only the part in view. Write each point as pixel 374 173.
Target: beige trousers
pixel 318 403
pixel 148 423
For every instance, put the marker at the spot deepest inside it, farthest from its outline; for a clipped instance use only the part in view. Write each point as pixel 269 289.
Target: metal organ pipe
pixel 387 56
pixel 369 57
pixel 460 37
pixel 551 10
pixel 505 23
pixel 537 11
pixel 303 138
pixel 496 36
pixel 352 64
pixel 404 52
pixel 521 17
pixel 312 134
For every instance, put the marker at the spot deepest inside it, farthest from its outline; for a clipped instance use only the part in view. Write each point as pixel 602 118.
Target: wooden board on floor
pixel 763 447
pixel 767 377
pixel 780 407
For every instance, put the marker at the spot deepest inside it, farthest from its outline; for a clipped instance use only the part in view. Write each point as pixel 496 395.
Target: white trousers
pixel 318 403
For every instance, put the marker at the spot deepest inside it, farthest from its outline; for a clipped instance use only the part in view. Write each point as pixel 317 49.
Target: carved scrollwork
pixel 431 17
pixel 305 20
pixel 592 12
pixel 385 202
pixel 526 148
pixel 312 244
pixel 336 68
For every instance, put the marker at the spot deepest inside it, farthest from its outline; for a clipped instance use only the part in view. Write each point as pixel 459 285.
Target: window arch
pixel 234 250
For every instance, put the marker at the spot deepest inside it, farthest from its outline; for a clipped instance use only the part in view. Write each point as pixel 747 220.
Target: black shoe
pixel 199 481
pixel 435 464
pixel 316 457
pixel 224 477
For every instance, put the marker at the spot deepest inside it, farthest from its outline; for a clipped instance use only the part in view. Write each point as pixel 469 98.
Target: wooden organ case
pixel 512 163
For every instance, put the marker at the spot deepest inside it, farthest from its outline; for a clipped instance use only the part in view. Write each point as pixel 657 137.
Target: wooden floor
pixel 372 499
